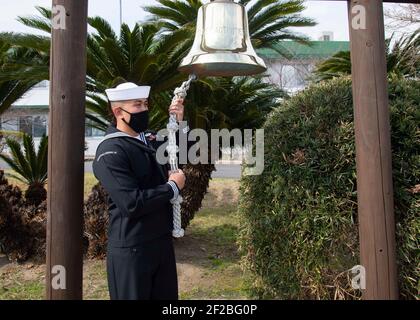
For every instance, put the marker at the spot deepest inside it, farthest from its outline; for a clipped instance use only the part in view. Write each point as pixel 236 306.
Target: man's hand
pixel 177 107
pixel 179 178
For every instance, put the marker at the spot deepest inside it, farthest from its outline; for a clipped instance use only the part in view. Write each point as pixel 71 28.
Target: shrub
pixel 22 226
pixel 96 222
pixel 298 230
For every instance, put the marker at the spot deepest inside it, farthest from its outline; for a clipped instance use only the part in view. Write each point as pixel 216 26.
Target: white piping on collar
pixel 120 135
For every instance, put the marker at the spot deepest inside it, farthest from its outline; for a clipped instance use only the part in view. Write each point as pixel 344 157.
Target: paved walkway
pixel 222 170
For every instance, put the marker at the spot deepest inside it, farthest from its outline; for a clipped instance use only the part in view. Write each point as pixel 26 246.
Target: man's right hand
pixel 179 178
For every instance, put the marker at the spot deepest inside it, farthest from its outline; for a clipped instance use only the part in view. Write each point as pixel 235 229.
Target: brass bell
pixel 222 46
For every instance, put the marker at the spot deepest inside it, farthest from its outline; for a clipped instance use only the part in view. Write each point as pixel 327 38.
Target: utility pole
pixel 373 149
pixel 120 14
pixel 66 149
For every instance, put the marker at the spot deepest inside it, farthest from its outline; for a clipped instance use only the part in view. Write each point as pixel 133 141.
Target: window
pixel 39 126
pixel 92 132
pixel 301 73
pixel 97 133
pixel 287 76
pixel 88 130
pixel 9 124
pixel 25 124
pixel 35 126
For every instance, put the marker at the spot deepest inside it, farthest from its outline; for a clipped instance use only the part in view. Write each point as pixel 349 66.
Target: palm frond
pixel 30 155
pixel 258 6
pixel 45 12
pixel 36 23
pixel 42 159
pixel 16 176
pixel 97 122
pixel 102 27
pixel 36 42
pixel 27 164
pixel 403 60
pixel 11 91
pixel 17 160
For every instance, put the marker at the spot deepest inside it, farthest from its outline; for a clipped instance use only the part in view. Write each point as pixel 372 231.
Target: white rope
pixel 172 149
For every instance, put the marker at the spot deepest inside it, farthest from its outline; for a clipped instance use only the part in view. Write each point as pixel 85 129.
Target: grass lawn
pixel 207 258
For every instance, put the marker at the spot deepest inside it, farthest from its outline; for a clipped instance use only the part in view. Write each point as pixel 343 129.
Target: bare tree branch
pixel 403 15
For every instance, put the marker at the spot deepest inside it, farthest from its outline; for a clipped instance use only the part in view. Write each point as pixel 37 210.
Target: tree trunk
pixel 197 181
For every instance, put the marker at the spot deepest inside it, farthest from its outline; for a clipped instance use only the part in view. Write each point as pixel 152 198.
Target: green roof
pixel 40 107
pixel 315 49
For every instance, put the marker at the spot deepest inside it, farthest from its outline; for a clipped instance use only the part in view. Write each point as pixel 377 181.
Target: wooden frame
pixel 372 134
pixel 373 149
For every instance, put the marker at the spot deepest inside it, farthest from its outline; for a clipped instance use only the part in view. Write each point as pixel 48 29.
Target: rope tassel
pixel 172 149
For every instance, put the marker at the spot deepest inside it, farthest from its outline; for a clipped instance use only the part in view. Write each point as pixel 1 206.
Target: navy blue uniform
pixel 140 254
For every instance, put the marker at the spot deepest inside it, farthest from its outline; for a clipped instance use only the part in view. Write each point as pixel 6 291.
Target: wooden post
pixel 66 150
pixel 373 149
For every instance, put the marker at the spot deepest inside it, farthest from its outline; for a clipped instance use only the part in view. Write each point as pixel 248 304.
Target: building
pixel 289 66
pixel 29 114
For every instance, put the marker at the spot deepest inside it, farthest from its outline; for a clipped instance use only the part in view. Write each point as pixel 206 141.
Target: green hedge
pixel 299 232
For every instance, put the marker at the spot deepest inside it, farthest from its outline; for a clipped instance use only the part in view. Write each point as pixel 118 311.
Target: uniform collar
pixel 113 129
pixel 113 132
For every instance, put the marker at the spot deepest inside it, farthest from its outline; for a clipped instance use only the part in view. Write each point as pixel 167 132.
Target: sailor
pixel 140 254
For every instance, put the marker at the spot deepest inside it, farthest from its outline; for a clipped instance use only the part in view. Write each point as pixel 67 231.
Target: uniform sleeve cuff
pixel 174 189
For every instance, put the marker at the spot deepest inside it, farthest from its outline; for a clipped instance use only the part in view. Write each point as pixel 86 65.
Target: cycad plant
pixel 12 88
pixel 150 53
pixel 30 166
pixel 217 103
pixel 24 59
pixel 268 20
pixel 140 55
pixel 228 102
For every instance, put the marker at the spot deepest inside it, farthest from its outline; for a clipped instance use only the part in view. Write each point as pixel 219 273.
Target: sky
pixel 330 15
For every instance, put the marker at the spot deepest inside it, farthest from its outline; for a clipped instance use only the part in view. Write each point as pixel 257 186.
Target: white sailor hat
pixel 127 91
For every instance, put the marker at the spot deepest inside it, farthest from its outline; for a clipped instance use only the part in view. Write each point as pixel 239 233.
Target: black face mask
pixel 138 121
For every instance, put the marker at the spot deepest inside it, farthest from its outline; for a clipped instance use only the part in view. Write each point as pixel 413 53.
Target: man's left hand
pixel 177 107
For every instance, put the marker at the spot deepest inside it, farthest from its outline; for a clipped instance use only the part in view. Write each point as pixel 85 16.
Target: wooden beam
pixel 373 152
pixel 66 152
